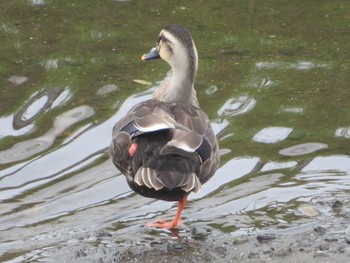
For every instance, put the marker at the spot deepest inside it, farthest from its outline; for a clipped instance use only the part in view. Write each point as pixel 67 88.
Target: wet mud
pixel 314 240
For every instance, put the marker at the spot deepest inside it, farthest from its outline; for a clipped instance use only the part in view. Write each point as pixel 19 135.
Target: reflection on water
pixel 304 148
pixel 300 65
pixel 37 104
pixel 58 108
pixel 29 148
pixel 343 132
pixel 18 80
pixel 236 106
pixel 261 82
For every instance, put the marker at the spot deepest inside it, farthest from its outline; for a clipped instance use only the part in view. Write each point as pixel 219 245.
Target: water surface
pixel 273 77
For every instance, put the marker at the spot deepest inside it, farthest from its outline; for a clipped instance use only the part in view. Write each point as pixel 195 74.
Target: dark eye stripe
pixel 163 38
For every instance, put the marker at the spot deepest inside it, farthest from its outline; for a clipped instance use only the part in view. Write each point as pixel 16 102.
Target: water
pixel 275 90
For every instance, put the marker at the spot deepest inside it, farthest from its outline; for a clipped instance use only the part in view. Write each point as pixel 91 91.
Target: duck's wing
pixel 166 130
pixel 145 117
pixel 207 148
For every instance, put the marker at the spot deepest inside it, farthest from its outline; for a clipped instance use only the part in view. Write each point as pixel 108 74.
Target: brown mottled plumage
pixel 165 146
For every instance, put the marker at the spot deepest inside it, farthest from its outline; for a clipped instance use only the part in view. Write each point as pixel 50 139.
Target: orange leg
pixel 175 223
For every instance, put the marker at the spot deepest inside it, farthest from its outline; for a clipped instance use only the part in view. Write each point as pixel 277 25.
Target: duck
pixel 165 146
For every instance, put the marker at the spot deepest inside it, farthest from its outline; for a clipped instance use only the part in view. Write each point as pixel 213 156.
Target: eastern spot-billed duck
pixel 165 146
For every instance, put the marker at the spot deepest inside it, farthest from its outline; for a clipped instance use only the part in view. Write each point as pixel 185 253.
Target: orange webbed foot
pixel 176 222
pixel 165 224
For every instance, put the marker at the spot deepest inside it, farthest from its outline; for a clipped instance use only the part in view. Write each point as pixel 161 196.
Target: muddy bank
pixel 317 239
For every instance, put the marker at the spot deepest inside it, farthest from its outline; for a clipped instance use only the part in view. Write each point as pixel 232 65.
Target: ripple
pixel 34 108
pixel 300 65
pixel 50 63
pixel 62 98
pixel 9 28
pixel 29 148
pixel 106 89
pixel 304 148
pixel 332 163
pixel 37 2
pixel 6 124
pixel 278 165
pixel 236 106
pixel 23 150
pixel 261 82
pixel 272 134
pixel 96 34
pixel 17 80
pixel 38 103
pixel 71 117
pixel 343 132
pixel 296 110
pixel 211 90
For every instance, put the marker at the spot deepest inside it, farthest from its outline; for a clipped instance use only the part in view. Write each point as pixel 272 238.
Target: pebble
pixel 103 234
pixel 282 252
pixel 80 253
pixel 324 247
pixel 321 254
pixel 337 204
pixel 308 210
pixel 240 240
pixel 221 250
pixel 174 246
pixel 265 238
pixel 341 248
pixel 347 234
pixel 200 232
pixel 320 230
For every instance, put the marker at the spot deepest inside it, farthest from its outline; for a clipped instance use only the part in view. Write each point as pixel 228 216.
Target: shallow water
pixel 277 93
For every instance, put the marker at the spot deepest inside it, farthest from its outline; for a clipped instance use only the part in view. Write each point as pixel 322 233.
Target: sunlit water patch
pixel 272 134
pixel 7 129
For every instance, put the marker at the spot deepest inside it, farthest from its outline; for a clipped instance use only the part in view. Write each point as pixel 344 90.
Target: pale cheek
pixel 164 54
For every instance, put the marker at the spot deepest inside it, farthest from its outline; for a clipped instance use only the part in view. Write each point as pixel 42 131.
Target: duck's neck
pixel 181 85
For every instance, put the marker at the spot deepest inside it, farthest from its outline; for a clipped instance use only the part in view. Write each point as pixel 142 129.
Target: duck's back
pixel 165 150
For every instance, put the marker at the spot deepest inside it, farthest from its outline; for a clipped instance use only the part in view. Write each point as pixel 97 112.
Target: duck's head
pixel 176 47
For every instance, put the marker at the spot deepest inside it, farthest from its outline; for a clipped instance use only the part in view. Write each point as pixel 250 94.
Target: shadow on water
pixel 271 94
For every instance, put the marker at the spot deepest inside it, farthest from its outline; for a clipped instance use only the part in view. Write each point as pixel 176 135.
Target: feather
pixel 145 177
pixel 153 123
pixel 187 141
pixel 193 184
pixel 153 180
pixel 138 177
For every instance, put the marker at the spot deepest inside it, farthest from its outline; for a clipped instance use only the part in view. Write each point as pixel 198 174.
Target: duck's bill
pixel 153 54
